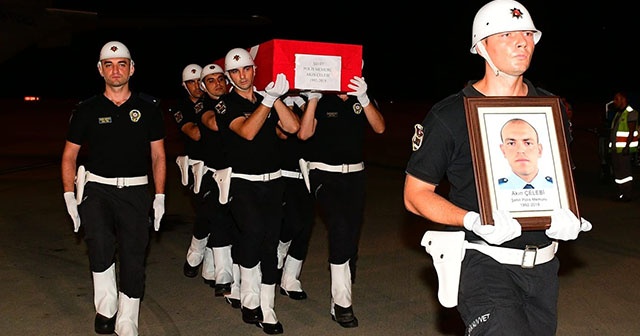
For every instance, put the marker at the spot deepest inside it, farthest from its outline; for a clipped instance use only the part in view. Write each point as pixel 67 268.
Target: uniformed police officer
pixel 125 134
pixel 186 115
pixel 506 281
pixel 522 149
pixel 249 121
pixel 335 125
pixel 218 216
pixel 298 207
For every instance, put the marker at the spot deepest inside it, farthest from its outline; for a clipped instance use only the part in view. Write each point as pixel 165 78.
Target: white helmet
pixel 208 70
pixel 114 49
pixel 191 72
pixel 211 69
pixel 500 16
pixel 237 58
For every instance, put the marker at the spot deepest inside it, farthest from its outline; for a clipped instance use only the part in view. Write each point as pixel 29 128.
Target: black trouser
pixel 211 216
pixel 257 210
pixel 298 217
pixel 117 219
pixel 341 199
pixel 497 299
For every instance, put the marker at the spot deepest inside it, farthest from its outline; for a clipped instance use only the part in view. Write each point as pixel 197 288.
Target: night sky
pixel 410 53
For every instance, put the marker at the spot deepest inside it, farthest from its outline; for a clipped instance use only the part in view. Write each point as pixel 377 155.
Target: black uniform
pixel 255 205
pixel 521 300
pixel 339 139
pixel 298 202
pixel 188 111
pixel 213 217
pixel 118 138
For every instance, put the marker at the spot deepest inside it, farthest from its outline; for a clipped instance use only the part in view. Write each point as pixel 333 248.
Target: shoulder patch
pixel 418 135
pixel 220 107
pixel 178 116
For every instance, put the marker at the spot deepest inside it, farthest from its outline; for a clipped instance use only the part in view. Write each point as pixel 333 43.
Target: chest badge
pixel 134 115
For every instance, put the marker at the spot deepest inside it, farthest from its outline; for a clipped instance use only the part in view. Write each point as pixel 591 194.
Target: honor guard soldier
pixel 248 122
pixel 299 214
pixel 125 134
pixel 334 126
pixel 186 115
pixel 215 210
pixel 503 280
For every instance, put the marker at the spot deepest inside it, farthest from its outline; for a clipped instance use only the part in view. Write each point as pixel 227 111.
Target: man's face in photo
pixel 521 148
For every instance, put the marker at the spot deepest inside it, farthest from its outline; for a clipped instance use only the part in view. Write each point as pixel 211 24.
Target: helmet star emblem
pixel 516 13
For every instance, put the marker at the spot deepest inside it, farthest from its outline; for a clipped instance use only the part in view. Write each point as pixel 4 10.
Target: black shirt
pixel 118 137
pixel 213 150
pixel 258 156
pixel 445 152
pixel 339 134
pixel 188 111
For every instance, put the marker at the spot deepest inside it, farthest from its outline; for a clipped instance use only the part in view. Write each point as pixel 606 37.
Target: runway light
pixel 31 98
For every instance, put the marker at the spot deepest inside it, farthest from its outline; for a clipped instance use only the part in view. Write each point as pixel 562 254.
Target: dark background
pixel 417 52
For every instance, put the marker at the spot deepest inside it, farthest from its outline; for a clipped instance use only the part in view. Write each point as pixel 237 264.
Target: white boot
pixel 267 303
pixel 290 284
pixel 208 267
pixel 127 320
pixel 223 274
pixel 341 306
pixel 283 249
pixel 195 254
pixel 224 262
pixel 250 294
pixel 233 298
pixel 105 292
pixel 269 322
pixel 250 286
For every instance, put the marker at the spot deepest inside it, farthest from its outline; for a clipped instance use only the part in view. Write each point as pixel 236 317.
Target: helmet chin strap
pixel 480 49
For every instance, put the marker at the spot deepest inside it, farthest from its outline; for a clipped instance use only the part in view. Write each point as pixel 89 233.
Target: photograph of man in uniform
pixel 527 184
pixel 522 149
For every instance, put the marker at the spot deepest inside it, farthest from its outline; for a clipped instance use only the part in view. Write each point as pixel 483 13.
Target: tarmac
pixel 47 288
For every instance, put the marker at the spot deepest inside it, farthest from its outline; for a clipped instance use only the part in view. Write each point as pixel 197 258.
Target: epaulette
pixel 149 98
pixel 88 99
pixel 546 92
pixel 503 180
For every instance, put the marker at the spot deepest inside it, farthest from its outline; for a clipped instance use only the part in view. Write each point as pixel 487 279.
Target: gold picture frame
pixel 498 180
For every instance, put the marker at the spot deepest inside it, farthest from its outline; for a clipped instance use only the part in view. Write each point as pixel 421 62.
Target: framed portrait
pixel 520 158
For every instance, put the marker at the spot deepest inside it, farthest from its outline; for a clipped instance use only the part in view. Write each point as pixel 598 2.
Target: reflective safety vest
pixel 622 132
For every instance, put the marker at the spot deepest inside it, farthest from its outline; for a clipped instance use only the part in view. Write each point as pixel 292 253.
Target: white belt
pixel 260 177
pixel 292 174
pixel 343 168
pixel 118 181
pixel 527 258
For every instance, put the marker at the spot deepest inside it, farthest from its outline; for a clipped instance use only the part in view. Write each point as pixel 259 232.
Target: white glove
pixel 311 95
pixel 158 210
pixel 566 226
pixel 503 229
pixel 359 87
pixel 291 100
pixel 275 90
pixel 72 209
